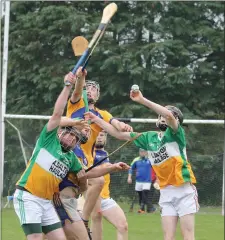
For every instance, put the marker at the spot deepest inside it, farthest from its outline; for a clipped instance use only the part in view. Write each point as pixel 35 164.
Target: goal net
pixel 205 143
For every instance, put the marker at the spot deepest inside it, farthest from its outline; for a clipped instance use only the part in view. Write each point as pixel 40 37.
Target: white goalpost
pixel 223 185
pixel 134 120
pixel 5 13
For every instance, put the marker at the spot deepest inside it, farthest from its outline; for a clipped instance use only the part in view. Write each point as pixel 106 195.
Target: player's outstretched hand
pixel 129 180
pixel 70 77
pixel 125 127
pixel 81 174
pixel 90 116
pixel 80 73
pixel 121 166
pixel 136 96
pixel 81 124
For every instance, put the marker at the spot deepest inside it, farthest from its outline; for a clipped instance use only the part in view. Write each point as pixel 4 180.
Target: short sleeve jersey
pixel 48 166
pixel 167 155
pixel 77 110
pixel 98 155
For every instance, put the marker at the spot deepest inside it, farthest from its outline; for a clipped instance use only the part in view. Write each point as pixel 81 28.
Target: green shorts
pixel 32 228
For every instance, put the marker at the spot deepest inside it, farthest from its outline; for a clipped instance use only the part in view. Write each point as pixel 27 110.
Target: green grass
pixel 209 226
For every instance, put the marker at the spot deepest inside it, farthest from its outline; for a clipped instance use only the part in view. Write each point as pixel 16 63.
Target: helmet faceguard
pixel 96 85
pixel 83 139
pixel 74 133
pixel 161 126
pixel 176 113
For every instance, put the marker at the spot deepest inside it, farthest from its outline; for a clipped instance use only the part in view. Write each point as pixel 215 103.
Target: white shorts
pixel 107 203
pixel 140 186
pixel 32 209
pixel 178 201
pixel 70 206
pixel 80 203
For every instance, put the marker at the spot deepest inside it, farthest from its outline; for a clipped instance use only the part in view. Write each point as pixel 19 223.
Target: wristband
pixel 67 83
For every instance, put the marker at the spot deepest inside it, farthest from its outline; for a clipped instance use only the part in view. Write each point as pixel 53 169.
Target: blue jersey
pixel 143 169
pixel 80 155
pixel 77 110
pixel 71 180
pixel 99 155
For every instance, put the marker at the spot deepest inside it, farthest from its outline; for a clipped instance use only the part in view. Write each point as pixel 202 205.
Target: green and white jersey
pixel 48 166
pixel 167 155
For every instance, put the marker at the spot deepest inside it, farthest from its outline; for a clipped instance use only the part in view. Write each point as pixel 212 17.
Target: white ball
pixel 156 186
pixel 135 88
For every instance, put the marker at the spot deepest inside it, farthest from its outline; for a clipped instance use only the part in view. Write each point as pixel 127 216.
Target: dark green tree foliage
pixel 173 50
pixel 195 55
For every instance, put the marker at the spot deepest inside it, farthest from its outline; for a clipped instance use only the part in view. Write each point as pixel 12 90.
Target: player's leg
pixel 140 200
pixel 187 206
pixel 112 212
pixel 80 203
pixel 54 232
pixel 169 215
pixel 187 225
pixel 182 201
pixel 51 224
pixel 70 218
pixel 74 228
pixel 95 186
pixel 96 222
pixel 133 202
pixel 75 231
pixel 145 194
pixel 29 213
pixel 138 189
pixel 150 206
pixel 169 225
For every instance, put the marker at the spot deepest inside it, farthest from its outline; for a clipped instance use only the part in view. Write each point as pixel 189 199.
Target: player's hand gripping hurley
pixel 80 44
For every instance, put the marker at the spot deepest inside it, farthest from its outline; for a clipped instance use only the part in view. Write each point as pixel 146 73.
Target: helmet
pixel 95 84
pixel 82 136
pixel 176 113
pixel 74 131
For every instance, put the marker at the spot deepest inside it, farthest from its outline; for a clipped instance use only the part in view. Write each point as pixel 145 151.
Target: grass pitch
pixel 209 226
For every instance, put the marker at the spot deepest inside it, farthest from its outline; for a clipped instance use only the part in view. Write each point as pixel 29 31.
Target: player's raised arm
pixel 108 127
pixel 61 101
pixel 78 123
pixel 103 170
pixel 79 84
pixel 121 126
pixel 136 95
